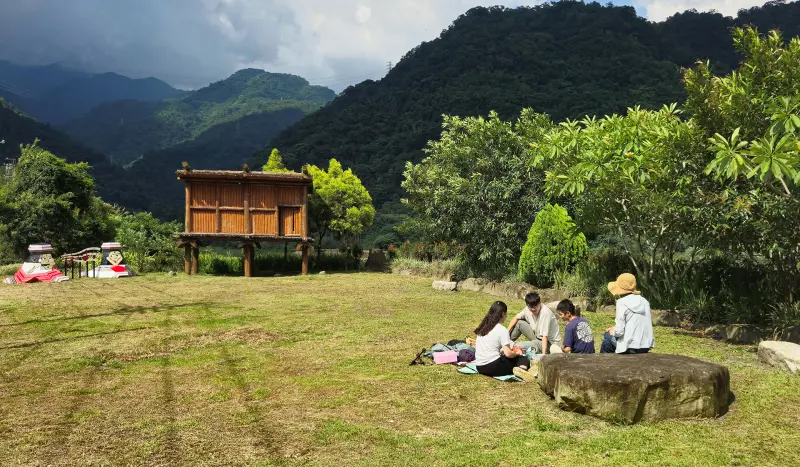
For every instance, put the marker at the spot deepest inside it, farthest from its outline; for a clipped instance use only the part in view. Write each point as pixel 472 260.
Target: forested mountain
pixel 112 182
pixel 127 130
pixel 567 59
pixel 55 94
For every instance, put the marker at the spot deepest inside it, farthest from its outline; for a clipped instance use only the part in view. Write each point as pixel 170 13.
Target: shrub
pixel 148 243
pixel 434 269
pixel 271 263
pixel 553 245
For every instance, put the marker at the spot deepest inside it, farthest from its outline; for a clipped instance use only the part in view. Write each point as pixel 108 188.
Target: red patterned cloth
pixel 21 278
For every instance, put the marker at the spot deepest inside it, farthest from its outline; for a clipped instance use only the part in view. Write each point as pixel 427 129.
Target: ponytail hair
pixel 497 313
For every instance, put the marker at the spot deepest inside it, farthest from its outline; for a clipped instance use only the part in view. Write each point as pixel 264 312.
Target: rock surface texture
pixel 635 388
pixel 376 261
pixel 783 355
pixel 444 285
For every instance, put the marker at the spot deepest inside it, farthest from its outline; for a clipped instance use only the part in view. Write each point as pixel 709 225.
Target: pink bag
pixel 448 356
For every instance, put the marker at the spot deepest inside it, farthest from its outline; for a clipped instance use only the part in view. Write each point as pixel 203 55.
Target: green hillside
pixel 567 59
pixel 112 182
pixel 127 130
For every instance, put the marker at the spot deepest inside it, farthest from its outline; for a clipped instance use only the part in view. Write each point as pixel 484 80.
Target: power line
pixel 340 78
pixel 18 90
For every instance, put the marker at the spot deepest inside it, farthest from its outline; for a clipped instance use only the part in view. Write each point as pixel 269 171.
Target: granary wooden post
pixel 195 258
pixel 247 250
pixel 304 248
pixel 187 259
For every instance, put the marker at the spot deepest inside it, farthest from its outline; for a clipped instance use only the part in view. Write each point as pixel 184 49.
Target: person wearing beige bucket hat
pixel 633 326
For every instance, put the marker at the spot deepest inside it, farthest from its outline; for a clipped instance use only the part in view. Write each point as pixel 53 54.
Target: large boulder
pixel 472 284
pixel 444 285
pixel 743 334
pixel 791 334
pixel 783 355
pixel 634 388
pixel 516 290
pixel 666 318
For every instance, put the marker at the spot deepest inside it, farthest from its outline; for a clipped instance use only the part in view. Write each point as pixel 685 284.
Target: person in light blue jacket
pixel 632 332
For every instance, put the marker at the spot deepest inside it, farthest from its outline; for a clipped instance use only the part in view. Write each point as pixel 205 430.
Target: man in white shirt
pixel 538 324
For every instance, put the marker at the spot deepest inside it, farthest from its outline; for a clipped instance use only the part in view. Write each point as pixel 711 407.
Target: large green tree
pixel 477 189
pixel 339 204
pixel 50 200
pixel 638 177
pixel 752 120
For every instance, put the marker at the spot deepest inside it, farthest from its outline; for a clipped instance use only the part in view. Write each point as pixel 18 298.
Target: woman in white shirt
pixel 493 348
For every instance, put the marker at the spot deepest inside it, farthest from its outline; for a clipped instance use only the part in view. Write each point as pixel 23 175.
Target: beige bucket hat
pixel 625 284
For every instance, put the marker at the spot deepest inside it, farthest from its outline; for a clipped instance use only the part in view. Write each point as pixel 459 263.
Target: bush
pixel 272 262
pixel 9 269
pixel 553 245
pixel 590 278
pixel 148 243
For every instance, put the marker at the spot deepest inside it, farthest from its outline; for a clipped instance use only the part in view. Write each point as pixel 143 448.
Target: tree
pixel 275 163
pixel 752 120
pixel 148 242
pixel 637 177
pixel 477 189
pixel 49 200
pixel 554 245
pixel 340 204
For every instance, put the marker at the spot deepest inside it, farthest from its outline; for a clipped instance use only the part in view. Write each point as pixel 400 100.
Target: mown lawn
pixel 314 370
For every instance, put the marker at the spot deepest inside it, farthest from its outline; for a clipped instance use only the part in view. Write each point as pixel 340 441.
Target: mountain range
pixel 568 59
pixel 54 94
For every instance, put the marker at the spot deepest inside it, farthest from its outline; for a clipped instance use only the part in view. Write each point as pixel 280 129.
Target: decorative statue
pixel 39 267
pixel 113 264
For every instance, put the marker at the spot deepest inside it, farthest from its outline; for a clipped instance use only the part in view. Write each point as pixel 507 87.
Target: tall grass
pixel 436 269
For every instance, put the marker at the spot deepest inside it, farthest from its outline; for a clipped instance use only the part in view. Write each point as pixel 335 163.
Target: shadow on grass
pixel 266 438
pixel 119 312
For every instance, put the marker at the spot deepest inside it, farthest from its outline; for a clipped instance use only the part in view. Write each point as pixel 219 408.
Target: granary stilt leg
pixel 248 253
pixel 187 259
pixel 304 249
pixel 195 259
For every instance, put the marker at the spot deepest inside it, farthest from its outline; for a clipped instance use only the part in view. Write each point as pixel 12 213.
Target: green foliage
pixel 272 262
pixel 340 204
pixel 50 200
pixel 444 269
pixel 752 119
pixel 275 163
pixel 554 244
pixel 148 243
pixel 637 177
pixel 477 190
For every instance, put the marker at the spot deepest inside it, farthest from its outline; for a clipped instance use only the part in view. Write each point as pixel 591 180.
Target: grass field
pixel 160 370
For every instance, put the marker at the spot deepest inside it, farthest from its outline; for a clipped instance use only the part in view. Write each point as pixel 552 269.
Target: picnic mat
pixel 469 369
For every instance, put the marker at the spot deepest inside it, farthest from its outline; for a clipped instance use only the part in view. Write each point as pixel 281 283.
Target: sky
pixel 190 43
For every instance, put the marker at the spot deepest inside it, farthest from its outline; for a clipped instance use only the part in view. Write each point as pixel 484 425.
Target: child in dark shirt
pixel 577 335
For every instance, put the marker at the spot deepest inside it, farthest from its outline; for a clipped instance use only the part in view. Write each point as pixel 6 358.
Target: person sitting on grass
pixel 494 355
pixel 538 324
pixel 633 328
pixel 577 334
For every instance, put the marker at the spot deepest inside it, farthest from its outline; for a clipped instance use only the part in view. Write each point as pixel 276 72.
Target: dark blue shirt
pixel 578 336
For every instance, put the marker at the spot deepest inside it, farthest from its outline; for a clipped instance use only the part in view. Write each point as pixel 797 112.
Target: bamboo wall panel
pixel 263 196
pixel 204 221
pixel 232 221
pixel 291 221
pixel 265 223
pixel 204 194
pixel 290 195
pixel 231 195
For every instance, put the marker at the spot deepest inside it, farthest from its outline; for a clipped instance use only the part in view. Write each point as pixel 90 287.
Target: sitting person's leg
pixel 636 351
pixel 523 328
pixel 500 367
pixel 609 344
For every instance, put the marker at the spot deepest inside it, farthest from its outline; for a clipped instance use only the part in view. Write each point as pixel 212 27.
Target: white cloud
pixel 659 10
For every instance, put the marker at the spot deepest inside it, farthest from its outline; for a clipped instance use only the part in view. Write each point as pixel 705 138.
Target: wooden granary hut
pixel 246 207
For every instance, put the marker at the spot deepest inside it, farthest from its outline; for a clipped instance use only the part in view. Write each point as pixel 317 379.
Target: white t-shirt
pixel 544 324
pixel 488 348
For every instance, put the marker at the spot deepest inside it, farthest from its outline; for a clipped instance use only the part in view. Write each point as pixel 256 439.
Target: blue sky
pixel 190 43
